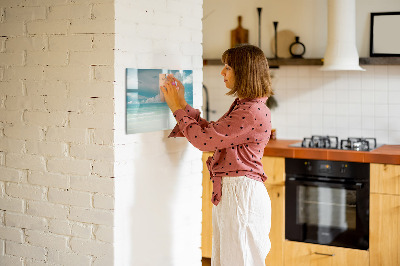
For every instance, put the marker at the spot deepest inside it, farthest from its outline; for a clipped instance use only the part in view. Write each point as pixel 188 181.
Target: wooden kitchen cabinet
pixel 384 236
pixel 274 168
pixel 206 225
pixel 305 254
pixel 385 178
pixel 277 233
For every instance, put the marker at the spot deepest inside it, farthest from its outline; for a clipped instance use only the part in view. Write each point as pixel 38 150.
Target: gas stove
pixel 332 142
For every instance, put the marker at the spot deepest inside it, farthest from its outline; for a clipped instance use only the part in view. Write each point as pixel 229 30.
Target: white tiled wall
pixel 311 102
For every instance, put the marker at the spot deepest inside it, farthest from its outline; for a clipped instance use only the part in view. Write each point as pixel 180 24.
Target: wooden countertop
pixel 389 154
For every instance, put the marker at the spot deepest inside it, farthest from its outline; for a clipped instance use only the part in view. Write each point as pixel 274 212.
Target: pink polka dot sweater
pixel 238 139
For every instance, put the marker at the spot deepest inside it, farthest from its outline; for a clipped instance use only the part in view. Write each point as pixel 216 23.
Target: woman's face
pixel 229 76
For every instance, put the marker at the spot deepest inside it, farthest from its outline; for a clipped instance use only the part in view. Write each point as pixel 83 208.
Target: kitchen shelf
pixel 274 63
pixel 380 61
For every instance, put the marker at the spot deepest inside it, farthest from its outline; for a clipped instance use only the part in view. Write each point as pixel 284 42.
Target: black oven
pixel 327 202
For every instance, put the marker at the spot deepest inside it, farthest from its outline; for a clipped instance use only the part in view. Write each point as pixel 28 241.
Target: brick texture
pixel 56 123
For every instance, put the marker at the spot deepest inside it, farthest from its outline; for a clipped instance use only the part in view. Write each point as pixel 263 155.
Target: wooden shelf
pixel 380 61
pixel 274 63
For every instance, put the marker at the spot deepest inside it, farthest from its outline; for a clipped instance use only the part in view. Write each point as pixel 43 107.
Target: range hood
pixel 341 51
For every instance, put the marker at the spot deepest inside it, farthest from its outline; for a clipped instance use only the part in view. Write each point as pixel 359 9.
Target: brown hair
pixel 250 66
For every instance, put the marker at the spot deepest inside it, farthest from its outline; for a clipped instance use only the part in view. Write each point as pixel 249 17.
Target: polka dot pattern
pixel 238 139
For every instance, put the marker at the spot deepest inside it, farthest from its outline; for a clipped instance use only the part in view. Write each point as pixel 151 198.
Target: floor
pixel 206 261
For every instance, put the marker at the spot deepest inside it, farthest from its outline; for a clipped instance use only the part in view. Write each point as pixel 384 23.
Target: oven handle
pixel 357 185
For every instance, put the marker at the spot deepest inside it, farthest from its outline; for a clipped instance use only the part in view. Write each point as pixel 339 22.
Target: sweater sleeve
pixel 193 113
pixel 229 131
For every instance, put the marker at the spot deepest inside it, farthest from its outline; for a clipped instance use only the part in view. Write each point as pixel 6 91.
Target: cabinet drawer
pixel 305 254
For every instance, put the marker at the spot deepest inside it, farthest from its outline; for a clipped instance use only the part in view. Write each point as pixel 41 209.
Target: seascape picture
pixel 146 109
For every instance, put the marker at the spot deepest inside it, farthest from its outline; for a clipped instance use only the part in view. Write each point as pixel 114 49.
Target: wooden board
pixel 385 178
pixel 384 236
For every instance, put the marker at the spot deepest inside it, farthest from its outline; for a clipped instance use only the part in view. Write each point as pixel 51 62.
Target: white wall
pixel 344 103
pixel 56 132
pixel 305 18
pixel 158 180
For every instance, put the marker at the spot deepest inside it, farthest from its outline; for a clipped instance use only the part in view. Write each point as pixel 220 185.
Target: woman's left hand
pixel 171 95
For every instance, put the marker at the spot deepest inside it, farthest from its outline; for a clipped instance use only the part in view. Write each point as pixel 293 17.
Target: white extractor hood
pixel 341 51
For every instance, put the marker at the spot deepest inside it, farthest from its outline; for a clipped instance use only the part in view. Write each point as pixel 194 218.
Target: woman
pixel 242 208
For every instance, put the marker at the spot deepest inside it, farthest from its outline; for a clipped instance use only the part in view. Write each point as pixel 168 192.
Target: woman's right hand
pixel 181 91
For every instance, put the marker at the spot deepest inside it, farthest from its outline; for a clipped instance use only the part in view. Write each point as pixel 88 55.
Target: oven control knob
pixel 343 168
pixel 308 166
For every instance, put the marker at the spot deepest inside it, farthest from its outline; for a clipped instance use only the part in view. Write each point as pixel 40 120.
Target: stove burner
pixel 332 142
pixel 358 144
pixel 328 142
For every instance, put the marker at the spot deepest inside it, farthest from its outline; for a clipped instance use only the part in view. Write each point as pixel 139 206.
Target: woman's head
pixel 251 72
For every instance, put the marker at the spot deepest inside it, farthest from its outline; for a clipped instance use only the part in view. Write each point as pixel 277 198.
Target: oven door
pixel 327 213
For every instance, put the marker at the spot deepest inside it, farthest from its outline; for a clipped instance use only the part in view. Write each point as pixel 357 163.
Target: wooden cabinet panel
pixel 384 230
pixel 305 254
pixel 385 178
pixel 274 168
pixel 277 233
pixel 206 226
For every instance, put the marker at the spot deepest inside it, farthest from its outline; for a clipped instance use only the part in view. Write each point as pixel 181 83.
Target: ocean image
pixel 146 110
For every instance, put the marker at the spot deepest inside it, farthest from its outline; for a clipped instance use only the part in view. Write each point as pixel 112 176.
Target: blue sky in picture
pixel 142 85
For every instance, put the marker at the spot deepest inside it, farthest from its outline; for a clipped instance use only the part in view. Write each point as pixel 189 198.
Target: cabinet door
pixel 274 168
pixel 384 229
pixel 206 226
pixel 277 233
pixel 385 178
pixel 304 254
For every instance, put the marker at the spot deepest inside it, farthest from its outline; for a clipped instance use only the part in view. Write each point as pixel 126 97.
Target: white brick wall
pixel 56 132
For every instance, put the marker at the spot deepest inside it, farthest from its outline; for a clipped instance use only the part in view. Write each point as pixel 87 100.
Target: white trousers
pixel 241 223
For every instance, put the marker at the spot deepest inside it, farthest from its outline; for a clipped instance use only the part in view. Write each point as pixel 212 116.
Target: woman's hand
pixel 171 94
pixel 181 91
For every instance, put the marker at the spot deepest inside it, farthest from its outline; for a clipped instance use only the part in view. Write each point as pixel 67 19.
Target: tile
pixel 367 123
pixel 394 137
pixel 394 97
pixel 382 136
pixel 367 110
pixel 367 96
pixel 381 123
pixel 292 83
pixel 329 109
pixel 381 84
pixel 394 110
pixel 382 110
pixel 394 83
pixel 381 97
pixel 355 96
pixel 394 123
pixel 291 71
pixel 354 83
pixel 342 109
pixel 355 109
pixel 342 122
pixel 355 122
pixel 380 71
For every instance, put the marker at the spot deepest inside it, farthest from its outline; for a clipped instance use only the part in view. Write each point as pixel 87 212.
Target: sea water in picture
pixel 146 109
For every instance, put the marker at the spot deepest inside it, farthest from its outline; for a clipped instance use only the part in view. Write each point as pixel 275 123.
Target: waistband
pixel 235 179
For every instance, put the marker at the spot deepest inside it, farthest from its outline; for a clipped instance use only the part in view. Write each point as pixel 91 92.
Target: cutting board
pixel 239 35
